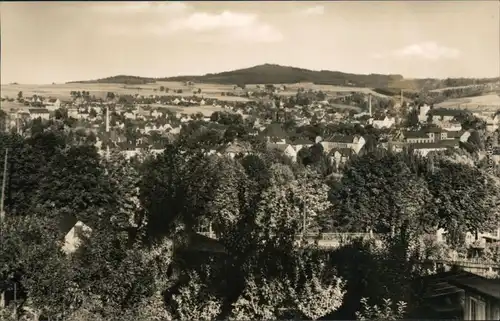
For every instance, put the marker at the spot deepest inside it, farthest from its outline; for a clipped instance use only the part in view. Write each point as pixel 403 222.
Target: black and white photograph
pixel 249 160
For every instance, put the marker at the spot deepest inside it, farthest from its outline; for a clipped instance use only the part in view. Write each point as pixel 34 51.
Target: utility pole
pixel 2 217
pixel 4 179
pixel 107 132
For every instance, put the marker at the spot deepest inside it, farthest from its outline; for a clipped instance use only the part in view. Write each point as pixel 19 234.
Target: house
pixel 460 295
pixel 492 123
pixel 451 126
pixel 340 156
pixel 52 104
pixel 39 113
pixel 73 231
pixel 383 122
pixel 422 113
pixel 428 135
pixel 444 115
pixel 298 144
pixel 355 142
pixel 274 133
pixel 286 149
pixel 235 148
pixel 424 148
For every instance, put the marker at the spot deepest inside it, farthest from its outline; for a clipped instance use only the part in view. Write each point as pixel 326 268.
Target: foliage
pixel 385 312
pixel 194 302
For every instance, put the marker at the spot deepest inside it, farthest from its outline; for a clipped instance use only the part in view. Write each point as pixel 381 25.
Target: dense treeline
pixel 144 261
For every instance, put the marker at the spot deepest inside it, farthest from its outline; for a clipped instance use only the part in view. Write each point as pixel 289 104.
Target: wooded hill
pixel 277 74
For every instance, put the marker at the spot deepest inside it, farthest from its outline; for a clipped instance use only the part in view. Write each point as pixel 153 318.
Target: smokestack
pixel 107 132
pixel 370 104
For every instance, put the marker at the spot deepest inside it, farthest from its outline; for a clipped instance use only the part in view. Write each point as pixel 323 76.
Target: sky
pixel 45 42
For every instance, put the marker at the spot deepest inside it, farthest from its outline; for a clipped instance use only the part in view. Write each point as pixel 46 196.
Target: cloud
pixel 314 11
pixel 226 26
pixel 425 50
pixel 139 7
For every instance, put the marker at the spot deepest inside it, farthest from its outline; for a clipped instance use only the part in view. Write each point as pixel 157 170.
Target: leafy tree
pixel 464 199
pixel 31 256
pixel 20 95
pixel 194 302
pixel 92 113
pixel 261 300
pixel 385 312
pixel 318 296
pixel 382 193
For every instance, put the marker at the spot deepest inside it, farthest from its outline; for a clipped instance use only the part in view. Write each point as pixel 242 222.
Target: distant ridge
pixel 120 79
pixel 277 74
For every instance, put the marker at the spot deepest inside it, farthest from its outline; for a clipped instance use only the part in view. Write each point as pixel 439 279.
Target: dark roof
pixel 440 144
pixel 446 112
pixel 465 281
pixel 196 242
pixel 67 222
pixel 455 134
pixel 52 100
pixel 341 139
pixel 39 111
pixel 302 141
pixel 274 130
pixel 418 133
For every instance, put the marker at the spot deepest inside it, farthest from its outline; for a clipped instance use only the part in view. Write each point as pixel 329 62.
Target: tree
pixel 464 199
pixel 30 255
pixel 385 312
pixel 260 300
pixel 92 113
pixel 194 302
pixel 381 192
pixel 110 96
pixel 20 95
pixel 317 297
pixel 162 88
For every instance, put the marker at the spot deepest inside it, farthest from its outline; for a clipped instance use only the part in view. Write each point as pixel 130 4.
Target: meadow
pixel 490 102
pixel 62 91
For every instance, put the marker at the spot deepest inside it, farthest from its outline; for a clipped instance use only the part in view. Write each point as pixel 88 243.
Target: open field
pixel 62 91
pixel 487 102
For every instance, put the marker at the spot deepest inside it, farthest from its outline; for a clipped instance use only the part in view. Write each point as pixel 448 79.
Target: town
pixel 265 192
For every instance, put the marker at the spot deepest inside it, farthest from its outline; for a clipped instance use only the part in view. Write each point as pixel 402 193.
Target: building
pixel 425 148
pixel 52 104
pixel 432 135
pixel 383 122
pixel 340 156
pixel 444 115
pixel 355 142
pixel 461 295
pixel 39 113
pixel 286 149
pixel 298 144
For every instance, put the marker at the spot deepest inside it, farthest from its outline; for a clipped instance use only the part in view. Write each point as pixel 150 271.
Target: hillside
pixel 276 74
pixel 120 79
